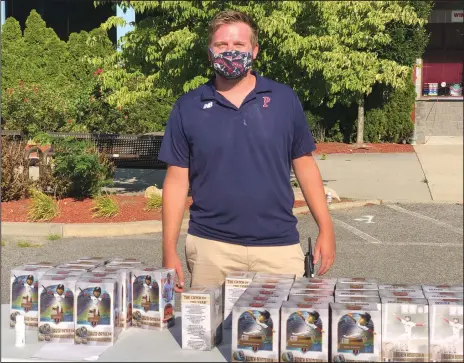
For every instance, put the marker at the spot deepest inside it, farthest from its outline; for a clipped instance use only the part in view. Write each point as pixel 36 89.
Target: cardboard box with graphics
pixel 356 332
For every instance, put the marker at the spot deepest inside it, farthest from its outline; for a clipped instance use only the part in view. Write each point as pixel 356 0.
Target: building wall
pixel 438 117
pixel 68 16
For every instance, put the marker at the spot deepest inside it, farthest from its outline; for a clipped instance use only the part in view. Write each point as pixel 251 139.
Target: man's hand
pixel 172 260
pixel 325 249
pixel 310 180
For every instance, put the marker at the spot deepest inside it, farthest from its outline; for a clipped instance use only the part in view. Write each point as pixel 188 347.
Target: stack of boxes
pixel 90 301
pixel 256 323
pixel 445 322
pixel 273 317
pixel 356 320
pixel 404 324
pixel 305 321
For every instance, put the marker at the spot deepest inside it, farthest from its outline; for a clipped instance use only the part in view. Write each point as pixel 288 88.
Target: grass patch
pixel 25 244
pixel 105 206
pixel 43 207
pixel 154 201
pixel 53 237
pixel 323 156
pixel 3 243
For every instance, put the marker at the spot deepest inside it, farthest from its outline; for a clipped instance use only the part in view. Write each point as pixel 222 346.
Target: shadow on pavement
pixel 136 180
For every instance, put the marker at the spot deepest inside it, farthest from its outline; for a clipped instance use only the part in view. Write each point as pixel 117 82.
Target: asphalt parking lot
pixel 395 243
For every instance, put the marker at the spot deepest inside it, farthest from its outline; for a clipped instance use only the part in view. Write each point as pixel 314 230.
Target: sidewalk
pixel 442 164
pixel 395 177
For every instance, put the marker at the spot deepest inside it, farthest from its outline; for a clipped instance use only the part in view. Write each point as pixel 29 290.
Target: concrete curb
pixel 342 205
pixel 25 229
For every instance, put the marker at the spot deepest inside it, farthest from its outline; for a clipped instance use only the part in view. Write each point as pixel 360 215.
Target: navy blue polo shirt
pixel 239 161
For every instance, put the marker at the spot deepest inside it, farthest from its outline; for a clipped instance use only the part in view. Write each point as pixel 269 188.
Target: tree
pixel 327 51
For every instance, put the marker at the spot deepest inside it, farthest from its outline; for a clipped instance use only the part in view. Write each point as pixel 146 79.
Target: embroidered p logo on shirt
pixel 266 100
pixel 207 105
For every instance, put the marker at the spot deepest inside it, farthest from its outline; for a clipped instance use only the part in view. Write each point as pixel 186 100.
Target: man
pixel 234 139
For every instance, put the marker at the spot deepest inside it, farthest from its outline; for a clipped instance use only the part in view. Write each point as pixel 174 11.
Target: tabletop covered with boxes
pixel 272 318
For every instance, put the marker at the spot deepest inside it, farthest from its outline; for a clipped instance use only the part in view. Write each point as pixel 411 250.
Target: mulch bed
pixel 340 148
pixel 132 208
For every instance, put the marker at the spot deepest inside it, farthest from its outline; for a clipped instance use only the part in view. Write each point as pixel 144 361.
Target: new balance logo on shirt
pixel 207 105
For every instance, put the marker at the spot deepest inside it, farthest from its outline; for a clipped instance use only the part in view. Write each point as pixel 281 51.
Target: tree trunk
pixel 360 133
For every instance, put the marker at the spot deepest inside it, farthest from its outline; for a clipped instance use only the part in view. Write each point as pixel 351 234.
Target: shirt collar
pixel 262 86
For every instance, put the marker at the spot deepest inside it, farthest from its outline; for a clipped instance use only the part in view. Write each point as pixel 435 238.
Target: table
pixel 136 345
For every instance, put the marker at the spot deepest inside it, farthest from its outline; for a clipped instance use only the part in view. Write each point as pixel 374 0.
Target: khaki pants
pixel 210 261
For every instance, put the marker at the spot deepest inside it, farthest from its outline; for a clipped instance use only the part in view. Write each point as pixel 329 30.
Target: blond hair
pixel 231 17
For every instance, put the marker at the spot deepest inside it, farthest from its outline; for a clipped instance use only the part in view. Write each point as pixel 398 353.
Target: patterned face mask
pixel 231 64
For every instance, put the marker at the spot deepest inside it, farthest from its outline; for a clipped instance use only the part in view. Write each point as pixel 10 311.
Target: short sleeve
pixel 175 147
pixel 303 140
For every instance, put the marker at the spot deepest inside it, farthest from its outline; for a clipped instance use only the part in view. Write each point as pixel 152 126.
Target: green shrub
pixel 15 170
pixel 42 207
pixel 79 168
pixel 105 206
pixel 154 201
pixel 391 120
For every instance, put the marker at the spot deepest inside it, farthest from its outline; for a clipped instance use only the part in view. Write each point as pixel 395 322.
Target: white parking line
pixel 421 216
pixel 356 231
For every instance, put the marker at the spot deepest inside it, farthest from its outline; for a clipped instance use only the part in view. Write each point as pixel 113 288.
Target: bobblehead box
pixel 153 298
pixel 446 329
pixel 57 294
pixel 405 330
pixel 24 297
pixel 304 332
pixel 255 332
pixel 96 310
pixel 201 318
pixel 356 332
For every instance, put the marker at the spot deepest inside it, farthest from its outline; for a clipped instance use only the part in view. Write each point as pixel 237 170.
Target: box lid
pixel 292 304
pixel 356 293
pixel 400 287
pixel 443 288
pixel 403 300
pixel 402 293
pixel 444 295
pixel 355 286
pixel 314 280
pixel 356 280
pixel 240 275
pixel 356 307
pixel 274 276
